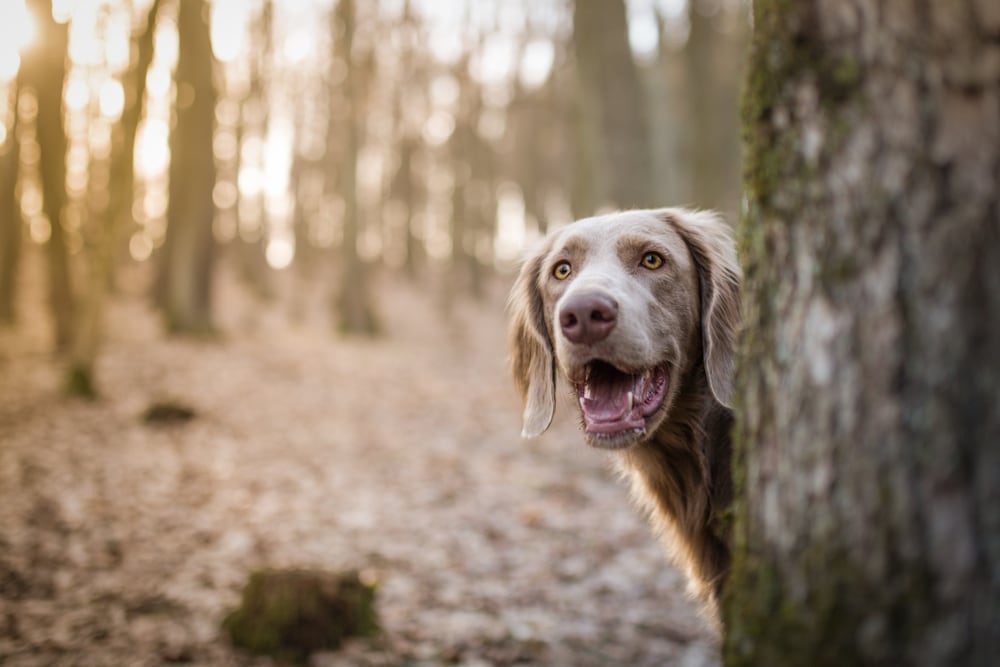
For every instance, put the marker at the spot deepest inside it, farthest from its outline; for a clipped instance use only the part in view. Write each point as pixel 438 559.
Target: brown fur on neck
pixel 681 477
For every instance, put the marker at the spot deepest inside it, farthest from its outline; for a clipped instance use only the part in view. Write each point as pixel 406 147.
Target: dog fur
pixel 681 319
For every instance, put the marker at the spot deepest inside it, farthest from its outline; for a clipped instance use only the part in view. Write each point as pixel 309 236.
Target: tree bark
pixel 867 464
pixel 613 110
pixel 44 71
pixel 185 280
pixel 10 214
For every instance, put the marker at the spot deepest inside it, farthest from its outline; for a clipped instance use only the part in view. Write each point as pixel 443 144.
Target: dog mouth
pixel 617 404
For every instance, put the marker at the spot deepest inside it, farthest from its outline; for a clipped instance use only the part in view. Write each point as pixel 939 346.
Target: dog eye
pixel 652 261
pixel 562 270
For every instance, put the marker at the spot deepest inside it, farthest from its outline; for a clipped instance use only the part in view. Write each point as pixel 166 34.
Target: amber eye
pixel 562 270
pixel 652 261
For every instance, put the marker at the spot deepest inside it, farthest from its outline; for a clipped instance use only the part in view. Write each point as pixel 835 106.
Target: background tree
pixel 185 277
pixel 43 71
pixel 10 209
pixel 613 112
pixel 868 427
pixel 354 307
pixel 711 102
pixel 113 218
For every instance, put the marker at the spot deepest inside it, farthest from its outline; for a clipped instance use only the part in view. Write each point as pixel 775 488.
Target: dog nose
pixel 588 318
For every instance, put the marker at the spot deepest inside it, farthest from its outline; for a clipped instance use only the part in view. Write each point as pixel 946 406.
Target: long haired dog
pixel 638 311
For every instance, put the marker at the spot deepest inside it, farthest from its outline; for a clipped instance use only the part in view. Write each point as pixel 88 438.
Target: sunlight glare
pixel 439 128
pixel 229 28
pixel 280 252
pixel 152 148
pixel 511 228
pixel 672 9
pixel 643 32
pixel 494 61
pixel 158 81
pixel 17 30
pixel 140 246
pixel 251 181
pixel 40 229
pixel 112 99
pixel 77 94
pixel 86 47
pixel 297 46
pixel 62 10
pixel 277 156
pixel 536 64
pixel 10 63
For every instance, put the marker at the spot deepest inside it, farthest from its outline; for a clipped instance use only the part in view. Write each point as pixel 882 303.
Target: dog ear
pixel 710 241
pixel 532 359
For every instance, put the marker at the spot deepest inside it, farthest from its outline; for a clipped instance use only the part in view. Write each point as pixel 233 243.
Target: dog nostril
pixel 600 316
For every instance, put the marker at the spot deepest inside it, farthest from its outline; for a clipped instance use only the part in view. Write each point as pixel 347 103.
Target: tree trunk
pixel 613 107
pixel 867 529
pixel 10 213
pixel 44 70
pixel 185 280
pixel 354 305
pixel 89 330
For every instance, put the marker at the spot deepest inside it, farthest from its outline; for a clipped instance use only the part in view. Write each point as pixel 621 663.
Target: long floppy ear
pixel 532 360
pixel 710 242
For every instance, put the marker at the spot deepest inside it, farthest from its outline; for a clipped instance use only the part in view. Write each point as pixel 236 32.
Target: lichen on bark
pixel 865 464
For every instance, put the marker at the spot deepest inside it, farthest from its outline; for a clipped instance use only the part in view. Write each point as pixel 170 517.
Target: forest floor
pixel 124 543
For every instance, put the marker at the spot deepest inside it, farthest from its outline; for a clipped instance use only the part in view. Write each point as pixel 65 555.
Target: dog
pixel 639 312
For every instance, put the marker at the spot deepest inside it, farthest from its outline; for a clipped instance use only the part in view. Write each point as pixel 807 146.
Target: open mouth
pixel 616 403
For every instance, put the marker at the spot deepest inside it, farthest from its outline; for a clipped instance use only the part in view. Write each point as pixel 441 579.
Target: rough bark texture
pixel 867 461
pixel 613 111
pixel 185 281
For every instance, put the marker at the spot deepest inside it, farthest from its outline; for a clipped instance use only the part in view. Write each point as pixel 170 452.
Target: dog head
pixel 623 305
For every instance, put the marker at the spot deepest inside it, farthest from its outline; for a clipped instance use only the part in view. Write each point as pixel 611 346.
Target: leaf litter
pixel 123 543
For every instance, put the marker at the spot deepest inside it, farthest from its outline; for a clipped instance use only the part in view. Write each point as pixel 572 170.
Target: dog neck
pixel 682 476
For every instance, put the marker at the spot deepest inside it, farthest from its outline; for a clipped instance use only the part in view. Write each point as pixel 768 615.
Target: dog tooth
pixel 587 393
pixel 631 400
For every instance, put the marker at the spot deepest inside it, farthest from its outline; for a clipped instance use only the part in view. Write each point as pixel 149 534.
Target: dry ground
pixel 126 544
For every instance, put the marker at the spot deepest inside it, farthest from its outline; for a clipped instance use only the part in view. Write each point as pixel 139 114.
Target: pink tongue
pixel 608 399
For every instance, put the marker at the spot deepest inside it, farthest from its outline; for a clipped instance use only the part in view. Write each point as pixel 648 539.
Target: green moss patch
pixel 289 614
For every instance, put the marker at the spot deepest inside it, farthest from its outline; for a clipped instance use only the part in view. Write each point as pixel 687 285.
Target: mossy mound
pixel 289 614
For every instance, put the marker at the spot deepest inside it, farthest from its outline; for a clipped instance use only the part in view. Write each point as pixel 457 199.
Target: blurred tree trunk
pixel 700 53
pixel 462 225
pixel 868 526
pixel 612 106
pixel 406 190
pixel 355 312
pixel 713 56
pixel 405 186
pixel 90 320
pixel 252 244
pixel 188 254
pixel 43 69
pixel 10 213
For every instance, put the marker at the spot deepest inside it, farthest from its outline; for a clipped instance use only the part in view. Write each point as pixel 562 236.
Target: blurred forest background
pixel 341 141
pixel 273 239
